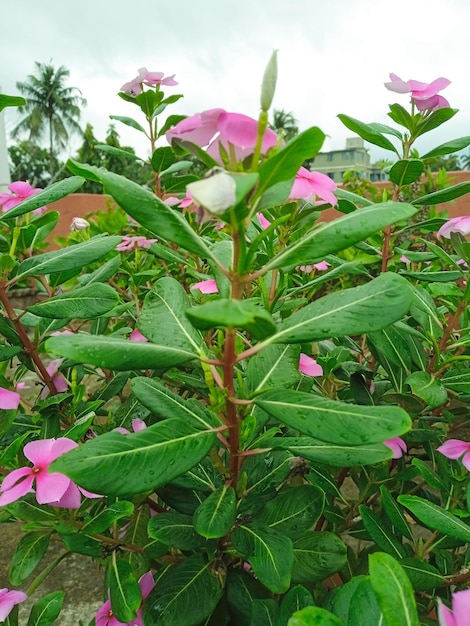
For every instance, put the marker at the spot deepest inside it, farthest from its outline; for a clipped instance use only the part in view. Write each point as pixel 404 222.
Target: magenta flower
pixel 9 399
pixel 460 614
pixel 51 487
pixel 206 286
pixel 21 190
pixel 309 185
pixel 105 617
pixel 131 243
pixel 216 128
pixel 454 449
pixel 8 599
pixel 321 267
pixel 264 223
pixel 455 225
pixel 59 381
pixel 397 446
pixel 136 335
pixel 309 366
pixel 151 79
pixel 424 95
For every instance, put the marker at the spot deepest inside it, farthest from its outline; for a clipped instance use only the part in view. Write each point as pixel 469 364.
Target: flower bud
pixel 268 86
pixel 215 193
pixel 79 223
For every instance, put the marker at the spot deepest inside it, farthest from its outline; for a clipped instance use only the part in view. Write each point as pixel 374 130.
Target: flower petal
pixel 9 399
pixel 13 487
pixel 50 487
pixel 309 366
pixel 454 448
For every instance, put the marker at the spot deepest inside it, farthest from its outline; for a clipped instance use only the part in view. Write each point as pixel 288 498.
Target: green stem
pixel 45 573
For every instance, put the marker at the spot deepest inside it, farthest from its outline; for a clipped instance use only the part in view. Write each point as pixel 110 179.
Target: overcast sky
pixel 334 55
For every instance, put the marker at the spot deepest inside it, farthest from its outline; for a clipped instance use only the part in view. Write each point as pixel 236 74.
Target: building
pixel 354 157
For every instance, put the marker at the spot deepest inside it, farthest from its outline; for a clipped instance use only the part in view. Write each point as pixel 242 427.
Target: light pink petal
pixel 53 367
pixel 138 425
pixel 169 81
pixel 61 446
pixel 172 201
pixel 198 129
pixel 50 487
pixel 9 399
pixel 264 223
pixel 404 259
pixel 445 615
pixel 454 448
pixel 71 498
pixel 455 225
pixel 242 131
pixel 206 286
pixel 60 383
pixel 461 607
pixel 39 452
pixel 90 494
pixel 397 84
pixel 322 266
pixel 397 446
pixel 136 335
pixel 8 599
pixel 13 487
pixel 22 189
pixel 146 584
pixel 426 90
pixel 309 366
pixel 307 185
pixel 306 268
pixel 466 460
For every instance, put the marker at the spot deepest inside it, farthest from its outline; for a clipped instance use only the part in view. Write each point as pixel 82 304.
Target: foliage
pixel 243 407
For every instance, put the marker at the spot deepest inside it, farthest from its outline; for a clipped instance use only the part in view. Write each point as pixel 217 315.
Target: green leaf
pixel 438 117
pixel 176 530
pixel 393 591
pixel 331 237
pixel 422 575
pixel 276 366
pixel 394 513
pixel 126 464
pixel 46 610
pixel 364 609
pixel 354 198
pixel 28 554
pixel 401 116
pixel 406 171
pixel 285 164
pixel 354 311
pixel 51 194
pixel 333 421
pixel 391 343
pixel 144 206
pixel 367 132
pixel 449 147
pixel 11 101
pixel 162 319
pixel 314 616
pixel 124 591
pixel 317 556
pixel 436 518
pixel 104 147
pixel 117 353
pixel 264 613
pixel 294 511
pixel 444 195
pixel 380 534
pixel 185 595
pixel 338 601
pixel 69 258
pixel 81 303
pixel 103 520
pixel 428 388
pixel 216 515
pixel 229 313
pixel 457 379
pixel 162 158
pixel 269 553
pixel 29 510
pixel 128 121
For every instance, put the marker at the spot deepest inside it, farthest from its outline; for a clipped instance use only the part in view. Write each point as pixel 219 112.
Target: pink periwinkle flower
pixel 51 487
pixel 59 381
pixel 424 95
pixel 404 259
pixel 309 367
pixel 136 335
pixel 21 190
pixel 182 203
pixel 460 614
pixel 454 449
pixel 321 267
pixel 206 286
pixel 105 617
pixel 455 225
pixel 131 243
pixel 264 223
pixel 216 128
pixel 8 599
pixel 137 426
pixel 151 79
pixel 9 399
pixel 310 185
pixel 397 446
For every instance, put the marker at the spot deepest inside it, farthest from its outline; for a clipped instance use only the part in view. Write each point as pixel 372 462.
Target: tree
pixel 449 163
pixel 284 123
pixel 32 163
pixel 52 109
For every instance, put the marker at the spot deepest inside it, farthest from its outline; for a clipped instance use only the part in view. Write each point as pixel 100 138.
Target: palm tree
pixel 52 109
pixel 284 123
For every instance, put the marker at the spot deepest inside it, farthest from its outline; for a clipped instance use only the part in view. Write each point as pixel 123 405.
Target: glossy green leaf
pixel 401 116
pixel 124 591
pixel 126 464
pixel 437 117
pixel 333 421
pixel 216 515
pixel 265 472
pixel 424 311
pixel 186 594
pixel 317 555
pixel 264 612
pixel 354 311
pixel 296 598
pixel 176 530
pixel 406 171
pixel 54 192
pixel 428 388
pixel 117 353
pixel 104 147
pixel 269 553
pixel 294 511
pixel 331 237
pixel 394 513
pixel 354 198
pixel 81 303
pixel 364 609
pixel 242 589
pixel 277 366
pixel 449 147
pixel 45 611
pixel 422 575
pixel 162 319
pixel 28 554
pixel 444 195
pixel 72 257
pixel 229 313
pixel 436 518
pixel 314 616
pixel 393 590
pixel 128 121
pixel 11 101
pixel 338 601
pixel 457 379
pixel 391 343
pixel 29 510
pixel 367 132
pixel 144 206
pixel 380 534
pixel 111 514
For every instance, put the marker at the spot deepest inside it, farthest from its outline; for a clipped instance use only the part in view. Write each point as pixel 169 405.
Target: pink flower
pixel 21 190
pixel 136 335
pixel 308 185
pixel 397 446
pixel 183 203
pixel 51 488
pixel 455 225
pixel 59 381
pixel 206 286
pixel 131 243
pixel 321 267
pixel 460 614
pixel 264 223
pixel 309 366
pixel 105 617
pixel 137 426
pixel 8 599
pixel 404 259
pixel 134 86
pixel 423 95
pixel 454 449
pixel 9 399
pixel 216 128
